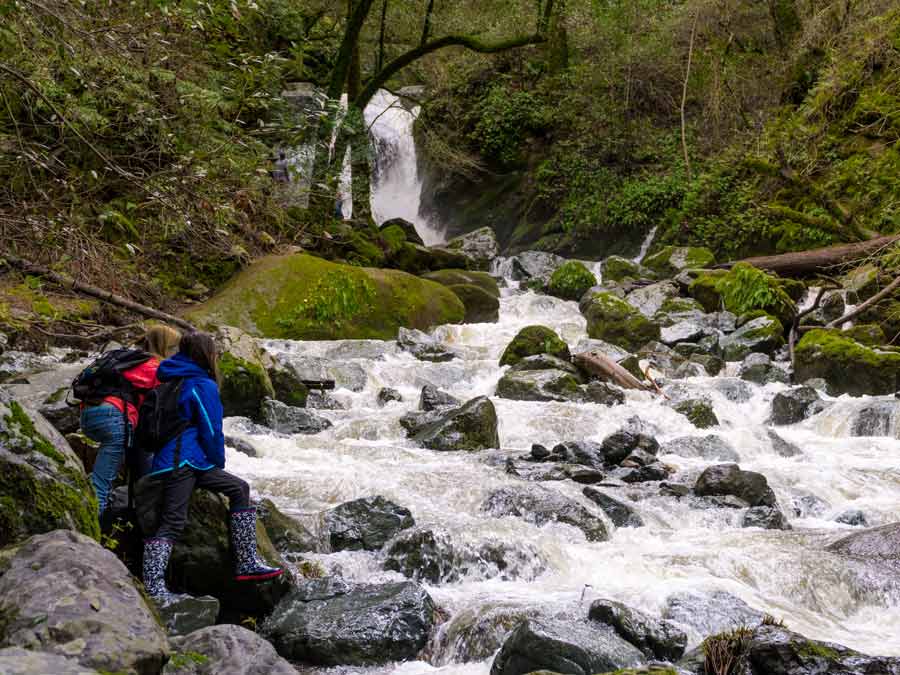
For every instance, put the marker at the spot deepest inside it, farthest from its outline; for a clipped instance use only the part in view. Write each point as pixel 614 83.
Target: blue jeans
pixel 105 425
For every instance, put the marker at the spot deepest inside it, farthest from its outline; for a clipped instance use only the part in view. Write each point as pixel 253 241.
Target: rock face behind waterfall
pixel 303 297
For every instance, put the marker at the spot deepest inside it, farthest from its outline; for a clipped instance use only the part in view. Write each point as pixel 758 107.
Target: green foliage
pixel 746 288
pixel 187 659
pixel 505 118
pixel 571 280
pixel 335 299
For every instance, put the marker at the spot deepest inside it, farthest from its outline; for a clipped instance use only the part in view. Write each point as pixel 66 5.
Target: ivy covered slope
pixel 790 130
pixel 302 297
pixel 134 137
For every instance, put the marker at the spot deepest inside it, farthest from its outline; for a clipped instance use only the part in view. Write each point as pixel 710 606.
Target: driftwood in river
pixel 608 370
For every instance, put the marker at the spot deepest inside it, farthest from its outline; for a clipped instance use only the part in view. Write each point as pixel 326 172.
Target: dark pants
pixel 177 497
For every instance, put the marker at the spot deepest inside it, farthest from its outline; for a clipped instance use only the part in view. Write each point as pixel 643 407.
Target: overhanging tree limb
pixel 470 42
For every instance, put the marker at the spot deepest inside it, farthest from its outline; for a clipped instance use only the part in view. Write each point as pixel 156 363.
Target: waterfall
pixel 645 245
pixel 396 184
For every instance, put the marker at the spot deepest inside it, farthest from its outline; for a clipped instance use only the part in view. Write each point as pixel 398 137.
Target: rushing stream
pixel 682 548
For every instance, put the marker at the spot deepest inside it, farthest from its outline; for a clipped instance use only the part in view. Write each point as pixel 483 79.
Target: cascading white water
pixel 396 184
pixel 681 548
pixel 645 245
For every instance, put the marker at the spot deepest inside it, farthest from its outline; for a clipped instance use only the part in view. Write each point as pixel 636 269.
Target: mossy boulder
pixel 287 383
pixel 480 246
pixel 863 282
pixel 699 412
pixel 617 268
pixel 886 314
pixel 478 292
pixel 571 280
pixel 471 427
pixel 764 335
pixel 418 259
pixel 744 289
pixel 301 297
pixel 847 366
pixel 43 486
pixel 455 277
pixel 673 259
pixel 287 534
pixel 533 340
pixel 613 320
pixel 407 228
pixel 244 379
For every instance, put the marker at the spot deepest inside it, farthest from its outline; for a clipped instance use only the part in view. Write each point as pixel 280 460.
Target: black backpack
pixel 158 418
pixel 105 376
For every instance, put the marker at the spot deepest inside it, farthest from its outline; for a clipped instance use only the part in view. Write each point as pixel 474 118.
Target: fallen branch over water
pixel 71 284
pixel 608 370
pixel 859 309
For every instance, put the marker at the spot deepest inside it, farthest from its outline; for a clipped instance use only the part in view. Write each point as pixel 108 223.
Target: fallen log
pixel 800 263
pixel 859 309
pixel 71 284
pixel 606 369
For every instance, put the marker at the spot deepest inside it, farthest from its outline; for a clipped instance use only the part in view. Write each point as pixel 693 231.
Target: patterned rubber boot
pixel 156 559
pixel 248 565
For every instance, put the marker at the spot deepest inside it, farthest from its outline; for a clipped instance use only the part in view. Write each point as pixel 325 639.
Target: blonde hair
pixel 161 341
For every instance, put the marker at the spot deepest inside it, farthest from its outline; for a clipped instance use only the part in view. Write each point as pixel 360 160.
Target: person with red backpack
pixel 111 390
pixel 181 422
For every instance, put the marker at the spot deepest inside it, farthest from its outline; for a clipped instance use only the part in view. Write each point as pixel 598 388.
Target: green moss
pixel 815 650
pixel 743 289
pixel 481 306
pixel 672 259
pixel 571 280
pixel 868 334
pixel 612 319
pixel 18 426
pixel 617 268
pixel 394 237
pixel 679 305
pixel 453 277
pixel 293 297
pixel 699 413
pixel 243 386
pixel 186 659
pixel 845 364
pixel 533 340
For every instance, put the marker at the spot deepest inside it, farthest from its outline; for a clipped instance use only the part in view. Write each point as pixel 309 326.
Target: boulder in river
pixel 571 280
pixel 388 395
pixel 480 246
pixel 848 366
pixel 615 321
pixel 64 593
pixel 765 517
pixel 188 614
pixel 42 482
pixel 326 624
pixel 286 419
pixel 619 513
pixel 481 306
pixel 450 278
pixel 540 385
pixel 617 268
pixel 699 412
pixel 758 368
pixel 230 649
pixel 648 300
pixel 877 544
pixel 287 534
pixel 730 479
pixel 244 381
pixel 795 405
pixel 781 446
pixel 619 444
pixel 423 346
pixel 564 646
pixel 656 638
pixel 287 383
pixel 533 340
pixel 535 268
pixel 852 517
pixel 65 418
pixel 670 260
pixel 302 297
pixel 473 426
pixel 709 613
pixel 876 418
pixel 18 661
pixel 409 230
pixel 366 524
pixel 432 398
pixel 764 334
pixel 708 447
pixel 540 505
pixel 586 453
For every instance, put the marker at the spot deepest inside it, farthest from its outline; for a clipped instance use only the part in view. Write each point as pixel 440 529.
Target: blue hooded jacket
pixel 202 443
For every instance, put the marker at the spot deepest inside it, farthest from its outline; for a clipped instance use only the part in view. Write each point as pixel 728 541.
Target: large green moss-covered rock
pixel 243 370
pixel 617 268
pixel 744 289
pixel 417 259
pixel 478 291
pixel 302 297
pixel 615 321
pixel 533 340
pixel 571 280
pixel 846 365
pixel 455 277
pixel 43 486
pixel 673 259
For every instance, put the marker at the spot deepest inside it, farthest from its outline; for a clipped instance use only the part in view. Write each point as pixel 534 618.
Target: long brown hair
pixel 160 340
pixel 201 349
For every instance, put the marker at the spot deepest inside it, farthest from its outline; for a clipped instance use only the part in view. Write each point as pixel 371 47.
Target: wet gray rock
pixel 662 357
pixel 619 513
pixel 433 398
pixel 807 506
pixel 649 299
pixel 643 474
pixel 712 364
pixel 586 453
pixel 656 638
pixel 242 446
pixel 877 544
pixel 544 362
pixel 322 400
pixel 730 479
pixel 387 395
pixel 346 374
pixel 876 418
pixel 217 650
pixel 602 393
pixel 853 517
pixel 423 346
pixel 416 421
pixel 18 661
pixel 540 385
pixel 287 534
pixel 65 418
pixel 189 614
pixel 471 427
pixel 709 613
pixel 687 330
pixel 539 453
pixel 733 389
pixel 759 368
pixel 639 457
pixel 619 444
pixel 427 555
pixel 781 446
pixel 65 594
pixel 689 369
pixel 535 267
pixel 795 405
pixel 766 517
pixel 566 646
pixel 708 447
pixel 539 505
pixel 480 246
pixel 366 524
pixel 360 625
pixel 287 419
pixel 611 351
pixel 763 334
pixel 287 382
pixel 699 412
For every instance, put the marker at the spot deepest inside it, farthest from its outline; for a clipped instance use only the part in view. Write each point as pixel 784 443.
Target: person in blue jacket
pixel 200 453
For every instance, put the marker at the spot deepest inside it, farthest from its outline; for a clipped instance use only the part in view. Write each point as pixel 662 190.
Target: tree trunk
pixel 817 260
pixel 608 370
